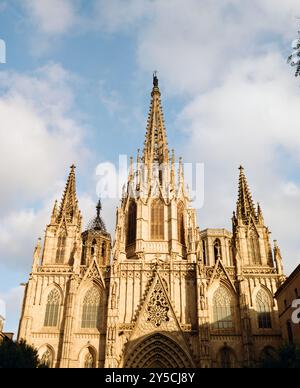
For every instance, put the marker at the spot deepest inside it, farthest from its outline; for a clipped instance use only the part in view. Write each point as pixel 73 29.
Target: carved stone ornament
pixel 158 307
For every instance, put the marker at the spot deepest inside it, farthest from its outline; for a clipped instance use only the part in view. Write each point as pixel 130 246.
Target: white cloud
pixel 194 45
pixel 250 119
pixel 38 138
pixel 115 15
pixel 52 16
pixel 291 189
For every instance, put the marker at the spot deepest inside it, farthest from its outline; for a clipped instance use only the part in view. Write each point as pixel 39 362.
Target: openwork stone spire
pixel 97 224
pixel 156 146
pixel 69 203
pixel 245 205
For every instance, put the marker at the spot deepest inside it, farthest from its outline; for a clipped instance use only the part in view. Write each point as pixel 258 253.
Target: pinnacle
pixel 69 203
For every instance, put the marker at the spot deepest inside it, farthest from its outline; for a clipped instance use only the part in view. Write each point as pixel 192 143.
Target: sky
pixel 76 86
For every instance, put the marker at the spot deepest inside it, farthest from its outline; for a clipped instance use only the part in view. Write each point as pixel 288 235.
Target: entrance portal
pixel 158 351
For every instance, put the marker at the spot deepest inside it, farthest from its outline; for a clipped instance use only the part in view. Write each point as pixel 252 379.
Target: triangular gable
pixel 158 316
pixel 94 273
pixel 252 226
pixel 218 271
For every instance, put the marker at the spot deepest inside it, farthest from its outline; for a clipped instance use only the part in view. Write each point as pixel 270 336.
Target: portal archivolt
pixel 158 351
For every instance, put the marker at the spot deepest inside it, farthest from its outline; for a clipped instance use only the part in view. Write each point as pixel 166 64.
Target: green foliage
pixel 286 357
pixel 18 355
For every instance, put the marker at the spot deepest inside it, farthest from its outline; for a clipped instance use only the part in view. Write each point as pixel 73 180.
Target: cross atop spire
pixel 69 203
pixel 245 205
pixel 156 146
pixel 155 79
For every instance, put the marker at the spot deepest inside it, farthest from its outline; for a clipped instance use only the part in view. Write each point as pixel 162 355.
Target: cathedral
pixel 164 293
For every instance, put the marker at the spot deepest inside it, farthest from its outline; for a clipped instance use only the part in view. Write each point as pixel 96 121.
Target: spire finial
pixel 155 79
pixel 99 208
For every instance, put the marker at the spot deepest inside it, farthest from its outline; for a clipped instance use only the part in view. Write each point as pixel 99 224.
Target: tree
pixel 18 355
pixel 294 58
pixel 286 357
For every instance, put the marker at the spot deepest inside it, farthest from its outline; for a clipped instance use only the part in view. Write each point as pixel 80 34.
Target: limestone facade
pixel 165 293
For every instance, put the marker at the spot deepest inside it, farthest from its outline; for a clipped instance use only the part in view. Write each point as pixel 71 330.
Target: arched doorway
pixel 158 351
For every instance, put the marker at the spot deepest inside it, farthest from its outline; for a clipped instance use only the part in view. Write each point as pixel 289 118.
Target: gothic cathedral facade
pixel 165 293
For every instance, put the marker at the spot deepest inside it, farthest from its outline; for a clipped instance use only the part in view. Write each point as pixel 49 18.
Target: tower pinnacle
pixel 69 203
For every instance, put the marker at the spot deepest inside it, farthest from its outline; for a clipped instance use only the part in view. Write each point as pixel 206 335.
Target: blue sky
pixel 76 89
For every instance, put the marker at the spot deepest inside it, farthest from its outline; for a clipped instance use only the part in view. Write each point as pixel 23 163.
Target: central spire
pixel 156 146
pixel 245 205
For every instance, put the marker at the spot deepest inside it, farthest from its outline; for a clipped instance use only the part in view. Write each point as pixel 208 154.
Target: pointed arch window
pixel 83 254
pixel 222 309
pixel 264 308
pixel 254 248
pixel 61 247
pixel 204 252
pixel 157 220
pixel 230 253
pixel 180 223
pixel 91 309
pixel 52 309
pixel 217 249
pixel 103 250
pixel 93 248
pixel 131 227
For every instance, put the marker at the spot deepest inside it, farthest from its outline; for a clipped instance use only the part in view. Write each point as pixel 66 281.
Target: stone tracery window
pixel 91 309
pixel 131 227
pixel 180 223
pixel 61 245
pixel 52 309
pixel 254 253
pixel 264 308
pixel 157 220
pixel 158 307
pixel 222 309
